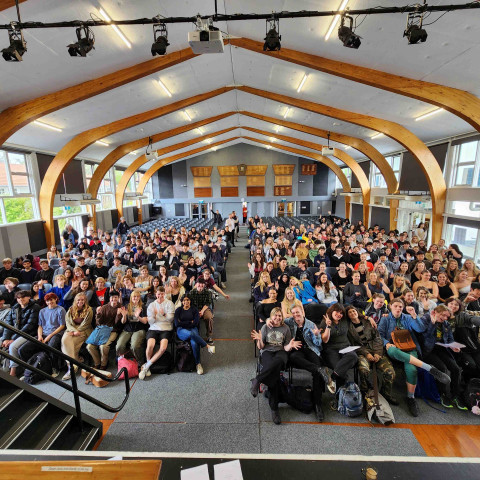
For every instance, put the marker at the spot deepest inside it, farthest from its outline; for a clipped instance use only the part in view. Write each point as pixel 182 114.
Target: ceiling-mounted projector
pixel 206 38
pixel 152 156
pixel 328 151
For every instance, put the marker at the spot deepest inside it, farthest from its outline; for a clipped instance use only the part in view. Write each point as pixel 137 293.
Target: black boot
pixel 276 417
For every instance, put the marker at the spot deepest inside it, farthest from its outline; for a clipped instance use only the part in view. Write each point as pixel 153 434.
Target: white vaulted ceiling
pixel 449 57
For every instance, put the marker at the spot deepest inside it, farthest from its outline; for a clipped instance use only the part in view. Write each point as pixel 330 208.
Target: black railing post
pixel 76 397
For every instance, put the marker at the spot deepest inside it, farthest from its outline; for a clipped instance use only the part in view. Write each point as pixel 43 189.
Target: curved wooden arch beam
pixel 133 167
pixel 122 150
pixel 395 131
pixel 459 102
pixel 84 139
pixel 16 117
pixel 361 145
pixel 344 157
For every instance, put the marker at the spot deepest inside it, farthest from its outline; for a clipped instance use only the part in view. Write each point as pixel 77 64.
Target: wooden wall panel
pixel 201 182
pixel 309 169
pixel 202 192
pixel 229 181
pixel 283 179
pixel 229 191
pixel 201 171
pixel 256 169
pixel 282 191
pixel 283 169
pixel 255 191
pixel 228 170
pixel 255 181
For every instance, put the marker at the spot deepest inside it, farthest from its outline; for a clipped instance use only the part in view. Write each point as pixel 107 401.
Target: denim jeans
pixel 196 341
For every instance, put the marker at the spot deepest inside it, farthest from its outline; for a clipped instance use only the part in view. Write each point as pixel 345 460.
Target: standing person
pixel 69 235
pixel 273 342
pixel 244 213
pixel 23 316
pixel 410 322
pixel 308 357
pixel 108 315
pixel 122 228
pixel 78 322
pixel 51 324
pixel 237 223
pixel 160 315
pixel 217 217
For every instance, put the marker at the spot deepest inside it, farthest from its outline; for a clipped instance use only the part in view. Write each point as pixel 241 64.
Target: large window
pixel 148 191
pixel 466 170
pixel 18 202
pixel 348 173
pixel 467 239
pixel 376 178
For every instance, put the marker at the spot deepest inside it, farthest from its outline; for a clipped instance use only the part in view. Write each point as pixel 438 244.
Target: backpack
pixel 131 366
pixel 427 387
pixel 42 361
pixel 163 365
pixel 184 360
pixel 349 399
pixel 298 397
pixel 472 395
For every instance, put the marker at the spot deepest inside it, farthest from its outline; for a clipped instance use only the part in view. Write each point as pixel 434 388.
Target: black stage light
pixel 17 48
pixel 272 37
pixel 84 44
pixel 347 35
pixel 160 35
pixel 415 34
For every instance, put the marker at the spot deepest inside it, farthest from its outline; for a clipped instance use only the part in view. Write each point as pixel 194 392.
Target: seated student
pixel 334 329
pixel 362 334
pixel 273 342
pixel 51 324
pixel 27 274
pixel 45 275
pixel 160 315
pixel 326 292
pixel 446 289
pixel 280 270
pixel 321 257
pixel 376 309
pixel 355 293
pixel 472 300
pixel 134 323
pixel 201 299
pixel 289 301
pixel 107 315
pixel 308 357
pixel 438 329
pixel 399 285
pixel 376 285
pixel 426 283
pixel 264 284
pixel 175 291
pixel 412 323
pixel 341 277
pixel 143 281
pixel 425 303
pixel 187 321
pixel 265 307
pixel 82 285
pixel 60 290
pixel 116 269
pixel 303 291
pixel 409 301
pixel 11 288
pixel 125 288
pixel 78 322
pixel 211 285
pixel 339 257
pixel 301 250
pixel 99 270
pixel 9 270
pixel 303 273
pixel 363 260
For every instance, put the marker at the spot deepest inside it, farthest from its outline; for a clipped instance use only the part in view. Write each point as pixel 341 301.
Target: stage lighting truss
pixel 18 46
pixel 84 44
pixel 347 35
pixel 272 37
pixel 414 30
pixel 160 35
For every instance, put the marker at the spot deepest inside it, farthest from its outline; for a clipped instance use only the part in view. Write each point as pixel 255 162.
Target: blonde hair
pixel 130 304
pixel 275 311
pixel 404 285
pixel 75 312
pixel 261 283
pixel 287 304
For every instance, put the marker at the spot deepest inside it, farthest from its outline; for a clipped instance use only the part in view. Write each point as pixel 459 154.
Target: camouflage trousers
pixel 385 372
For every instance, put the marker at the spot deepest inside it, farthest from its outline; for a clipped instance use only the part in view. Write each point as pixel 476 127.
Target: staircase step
pixel 71 439
pixel 17 428
pixel 7 396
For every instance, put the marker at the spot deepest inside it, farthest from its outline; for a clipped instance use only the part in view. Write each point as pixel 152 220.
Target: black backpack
pixel 184 360
pixel 298 397
pixel 163 365
pixel 472 396
pixel 42 361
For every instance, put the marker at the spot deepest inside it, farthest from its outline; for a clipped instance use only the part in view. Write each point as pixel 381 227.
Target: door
pixel 305 208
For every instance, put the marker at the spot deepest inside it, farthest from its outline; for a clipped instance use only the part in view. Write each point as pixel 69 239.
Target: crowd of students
pixel 145 289
pixel 320 288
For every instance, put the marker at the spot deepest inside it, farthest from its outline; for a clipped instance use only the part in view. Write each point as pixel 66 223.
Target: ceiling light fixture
pixel 272 36
pixel 272 139
pixel 17 48
pixel 304 79
pixel 277 128
pixel 347 147
pixel 377 135
pixel 414 31
pixel 287 111
pixel 165 89
pixel 46 125
pixel 115 28
pixel 208 140
pixel 199 130
pixel 101 142
pixel 335 20
pixel 133 153
pixel 347 35
pixel 269 147
pixel 214 149
pixel 187 115
pixel 429 114
pixel 84 44
pixel 160 42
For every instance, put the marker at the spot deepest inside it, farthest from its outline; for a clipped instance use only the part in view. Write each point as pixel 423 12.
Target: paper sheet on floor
pixel 228 471
pixel 195 473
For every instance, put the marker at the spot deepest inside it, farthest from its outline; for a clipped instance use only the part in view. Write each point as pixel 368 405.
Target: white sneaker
pixel 199 369
pixel 223 285
pixel 211 349
pixel 67 376
pixel 144 371
pixel 55 373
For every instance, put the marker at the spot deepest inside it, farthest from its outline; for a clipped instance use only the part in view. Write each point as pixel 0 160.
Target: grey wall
pixel 381 217
pixel 366 168
pixel 340 206
pixel 357 213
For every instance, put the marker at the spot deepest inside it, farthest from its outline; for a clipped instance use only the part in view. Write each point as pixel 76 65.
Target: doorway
pixel 285 209
pixel 199 210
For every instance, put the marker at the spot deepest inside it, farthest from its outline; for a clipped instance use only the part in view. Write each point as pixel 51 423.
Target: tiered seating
pixel 177 223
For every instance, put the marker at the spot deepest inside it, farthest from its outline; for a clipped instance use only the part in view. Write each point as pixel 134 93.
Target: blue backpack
pixel 349 399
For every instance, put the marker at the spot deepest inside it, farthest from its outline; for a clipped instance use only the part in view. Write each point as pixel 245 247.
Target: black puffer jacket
pixel 24 319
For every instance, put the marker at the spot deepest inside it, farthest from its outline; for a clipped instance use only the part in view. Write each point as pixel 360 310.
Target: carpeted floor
pixel 215 413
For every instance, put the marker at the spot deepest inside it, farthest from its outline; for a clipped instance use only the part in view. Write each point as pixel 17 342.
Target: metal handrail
pixel 72 361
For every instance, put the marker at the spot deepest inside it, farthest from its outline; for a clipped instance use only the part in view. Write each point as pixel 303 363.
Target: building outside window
pixel 466 171
pixel 376 177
